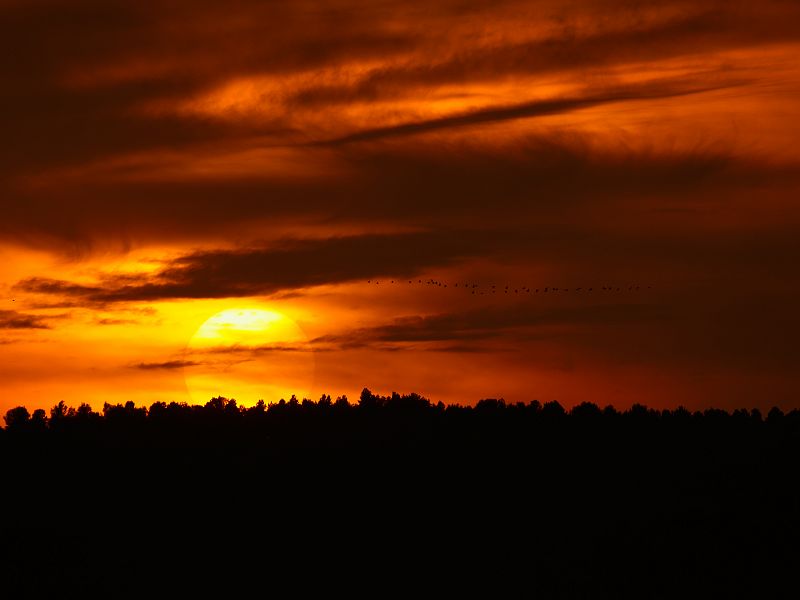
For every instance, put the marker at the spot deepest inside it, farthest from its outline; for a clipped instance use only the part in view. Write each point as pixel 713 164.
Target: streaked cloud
pixel 287 264
pixel 11 319
pixel 168 365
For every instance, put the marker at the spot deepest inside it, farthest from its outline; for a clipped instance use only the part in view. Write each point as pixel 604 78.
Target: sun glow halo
pixel 248 354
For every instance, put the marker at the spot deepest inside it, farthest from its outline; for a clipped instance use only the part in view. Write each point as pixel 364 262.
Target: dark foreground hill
pixel 397 496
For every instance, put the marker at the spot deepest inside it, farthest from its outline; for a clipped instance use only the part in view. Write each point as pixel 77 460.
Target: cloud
pixel 537 108
pixel 340 74
pixel 108 321
pixel 168 365
pixel 252 350
pixel 265 270
pixel 569 255
pixel 11 319
pixel 537 178
pixel 470 329
pixel 642 37
pixel 691 333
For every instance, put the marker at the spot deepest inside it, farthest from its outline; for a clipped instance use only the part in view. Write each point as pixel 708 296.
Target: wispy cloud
pixel 167 365
pixel 265 270
pixel 109 321
pixel 536 108
pixel 10 319
pixel 468 330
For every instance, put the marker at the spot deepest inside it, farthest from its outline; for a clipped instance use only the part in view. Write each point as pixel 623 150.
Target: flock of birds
pixel 484 289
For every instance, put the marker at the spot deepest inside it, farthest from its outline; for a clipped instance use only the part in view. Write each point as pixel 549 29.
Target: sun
pixel 248 354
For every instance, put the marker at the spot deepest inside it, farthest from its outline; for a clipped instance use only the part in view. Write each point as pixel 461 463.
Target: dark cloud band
pixel 10 319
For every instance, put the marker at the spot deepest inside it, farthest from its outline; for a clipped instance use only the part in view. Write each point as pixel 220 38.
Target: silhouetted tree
pixel 217 404
pixel 586 411
pixel 17 418
pixel 490 405
pixel 130 413
pixel 775 415
pixel 259 409
pixel 367 400
pixel 84 413
pixel 60 412
pixel 609 412
pixel 553 409
pixel 407 403
pixel 39 420
pixel 157 410
pixel 682 413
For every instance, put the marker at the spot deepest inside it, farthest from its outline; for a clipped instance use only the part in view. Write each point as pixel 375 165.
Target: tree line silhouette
pixel 503 499
pixel 399 423
pixel 395 406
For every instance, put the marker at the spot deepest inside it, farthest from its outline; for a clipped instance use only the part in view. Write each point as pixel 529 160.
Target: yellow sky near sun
pixel 248 354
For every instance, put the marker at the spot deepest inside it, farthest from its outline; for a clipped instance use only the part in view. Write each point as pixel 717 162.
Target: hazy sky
pixel 165 161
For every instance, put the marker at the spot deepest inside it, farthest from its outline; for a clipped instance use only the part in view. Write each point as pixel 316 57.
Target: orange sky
pixel 163 162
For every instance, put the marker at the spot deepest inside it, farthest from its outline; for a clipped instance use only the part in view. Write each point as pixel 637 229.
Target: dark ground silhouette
pixel 398 496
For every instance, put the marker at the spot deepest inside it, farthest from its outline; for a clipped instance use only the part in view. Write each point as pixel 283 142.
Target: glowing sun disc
pixel 249 354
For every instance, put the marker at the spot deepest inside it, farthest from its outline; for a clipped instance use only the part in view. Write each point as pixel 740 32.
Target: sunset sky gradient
pixel 165 161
